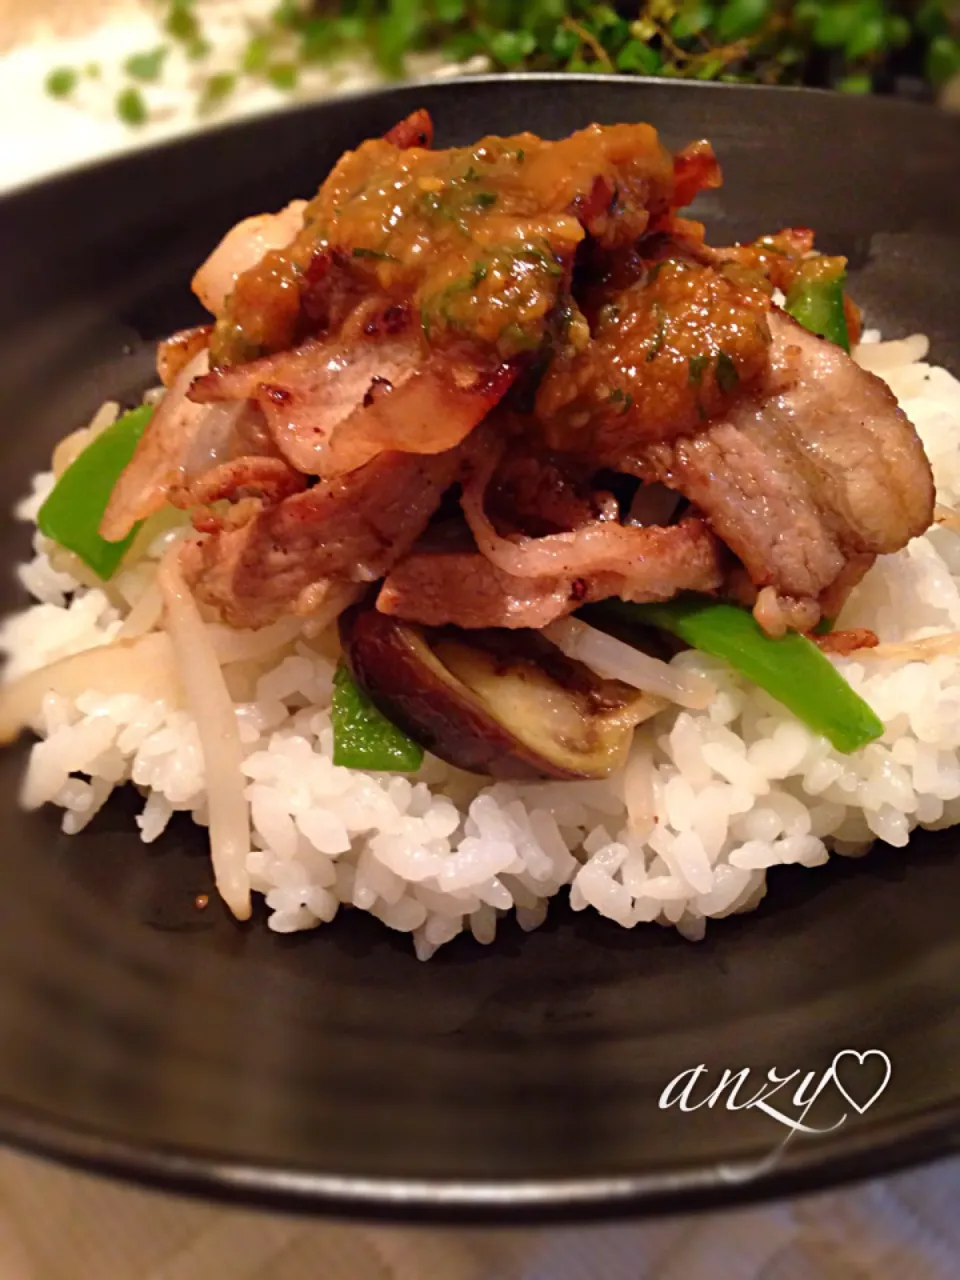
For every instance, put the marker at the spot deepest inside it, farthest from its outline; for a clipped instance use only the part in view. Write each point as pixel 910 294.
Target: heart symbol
pixel 861 1058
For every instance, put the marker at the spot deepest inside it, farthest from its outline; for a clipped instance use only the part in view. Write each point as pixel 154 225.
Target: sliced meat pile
pixel 446 580
pixel 282 559
pixel 451 370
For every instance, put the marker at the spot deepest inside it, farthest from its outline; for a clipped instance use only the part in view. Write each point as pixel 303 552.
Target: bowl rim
pixel 910 1140
pixel 450 1202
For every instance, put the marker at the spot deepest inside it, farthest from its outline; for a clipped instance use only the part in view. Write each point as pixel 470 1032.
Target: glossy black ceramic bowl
pixel 332 1070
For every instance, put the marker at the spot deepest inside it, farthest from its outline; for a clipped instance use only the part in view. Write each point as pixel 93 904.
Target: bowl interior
pixel 333 1069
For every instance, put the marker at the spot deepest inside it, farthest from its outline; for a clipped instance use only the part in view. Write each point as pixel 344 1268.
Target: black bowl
pixel 332 1070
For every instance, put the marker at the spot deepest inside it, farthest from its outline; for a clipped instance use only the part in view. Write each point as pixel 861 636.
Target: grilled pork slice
pixel 352 529
pixel 332 406
pixel 446 580
pixel 807 478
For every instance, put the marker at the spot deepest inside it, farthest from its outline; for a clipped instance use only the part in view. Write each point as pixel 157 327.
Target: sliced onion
pixel 638 785
pixel 614 660
pixel 144 616
pixel 231 645
pixel 883 357
pixel 635 562
pixel 923 650
pixel 71 446
pixel 213 710
pixel 145 667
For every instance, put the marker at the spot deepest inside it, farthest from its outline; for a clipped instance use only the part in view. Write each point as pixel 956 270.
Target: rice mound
pixel 707 803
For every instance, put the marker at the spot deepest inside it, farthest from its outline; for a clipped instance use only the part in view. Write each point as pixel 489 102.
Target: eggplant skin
pixel 395 665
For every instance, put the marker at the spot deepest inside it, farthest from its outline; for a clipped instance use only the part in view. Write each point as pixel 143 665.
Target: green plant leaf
pixel 602 17
pixel 463 45
pixel 131 107
pixel 257 54
pixel 709 69
pixel 451 11
pixel 614 36
pixel 640 58
pixel 867 38
pixel 931 19
pixel 858 82
pixel 283 76
pixel 806 12
pixel 147 66
pixel 835 24
pixel 216 89
pixel 741 18
pixel 536 14
pixel 564 44
pixel 943 60
pixel 288 13
pixel 510 48
pixel 396 34
pixel 693 17
pixel 61 82
pixel 898 31
pixel 181 21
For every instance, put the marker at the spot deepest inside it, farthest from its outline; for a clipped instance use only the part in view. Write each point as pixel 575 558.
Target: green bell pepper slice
pixel 791 669
pixel 363 737
pixel 815 300
pixel 72 513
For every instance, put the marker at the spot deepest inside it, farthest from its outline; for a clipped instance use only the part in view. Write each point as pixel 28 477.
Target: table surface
pixel 57 1224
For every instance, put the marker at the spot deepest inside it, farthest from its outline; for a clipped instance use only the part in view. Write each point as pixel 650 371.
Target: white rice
pixel 709 801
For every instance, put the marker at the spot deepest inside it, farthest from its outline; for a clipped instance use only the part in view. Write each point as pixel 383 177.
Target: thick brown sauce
pixel 668 353
pixel 477 242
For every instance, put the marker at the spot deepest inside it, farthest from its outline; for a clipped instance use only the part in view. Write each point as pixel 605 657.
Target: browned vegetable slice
pixel 504 703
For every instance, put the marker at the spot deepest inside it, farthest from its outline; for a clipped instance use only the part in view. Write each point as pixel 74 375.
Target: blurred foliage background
pixel 858 46
pixel 300 47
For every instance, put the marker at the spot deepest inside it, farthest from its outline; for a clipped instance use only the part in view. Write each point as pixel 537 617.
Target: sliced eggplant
pixel 504 703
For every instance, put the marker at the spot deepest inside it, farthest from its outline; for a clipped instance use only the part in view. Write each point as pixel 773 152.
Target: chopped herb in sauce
pixel 530 253
pixel 621 397
pixel 485 199
pixel 374 254
pixel 696 365
pixel 660 336
pixel 727 377
pixel 514 339
pixel 657 268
